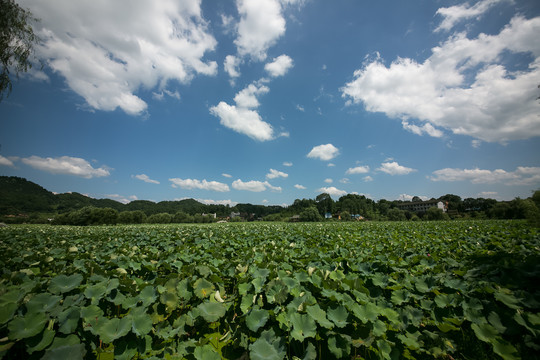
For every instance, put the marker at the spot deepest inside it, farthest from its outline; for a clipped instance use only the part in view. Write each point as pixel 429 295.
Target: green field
pixel 449 290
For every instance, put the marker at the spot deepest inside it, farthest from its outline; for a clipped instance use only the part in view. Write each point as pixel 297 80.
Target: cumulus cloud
pixel 328 181
pixel 261 25
pixel 231 65
pixel 242 117
pixel 217 202
pixel 5 161
pixel 254 186
pixel 367 178
pixel 332 191
pixel 358 170
pixel 243 121
pixel 324 152
pixel 521 176
pixel 106 58
pixel 275 174
pixel 66 165
pixel 393 168
pixel 145 178
pixel 462 86
pixel 121 198
pixel 279 66
pixel 287 163
pixel 190 184
pixel 454 14
pixel 300 187
pixel 406 197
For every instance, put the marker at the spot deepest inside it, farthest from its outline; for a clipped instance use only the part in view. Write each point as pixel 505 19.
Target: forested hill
pixel 20 196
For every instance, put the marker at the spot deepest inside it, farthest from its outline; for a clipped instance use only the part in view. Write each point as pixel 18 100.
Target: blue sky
pixel 267 101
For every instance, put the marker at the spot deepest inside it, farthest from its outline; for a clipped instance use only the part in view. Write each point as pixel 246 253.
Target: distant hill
pixel 20 196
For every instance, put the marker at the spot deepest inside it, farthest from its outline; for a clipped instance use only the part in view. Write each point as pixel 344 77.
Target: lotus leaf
pixel 63 283
pixel 384 349
pixel 183 290
pixel 112 329
pixel 485 332
pixel 212 311
pixel 339 346
pixel 399 296
pixel 256 318
pixel 267 347
pixel 410 340
pixel 170 300
pixel 147 296
pixel 71 352
pixel 506 297
pixel 338 316
pixel 26 326
pixel 141 322
pixel 7 310
pixel 505 350
pixel 303 326
pixel 319 315
pixel 43 302
pixel 203 288
pixel 40 342
pixel 206 352
pixel 95 292
pixel 68 320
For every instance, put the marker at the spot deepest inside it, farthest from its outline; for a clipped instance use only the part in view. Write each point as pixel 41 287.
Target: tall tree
pixel 17 41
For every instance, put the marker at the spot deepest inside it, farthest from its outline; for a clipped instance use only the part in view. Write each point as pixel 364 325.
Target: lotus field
pixel 448 290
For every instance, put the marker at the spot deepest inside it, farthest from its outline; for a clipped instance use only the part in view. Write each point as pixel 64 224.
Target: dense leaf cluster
pixel 271 291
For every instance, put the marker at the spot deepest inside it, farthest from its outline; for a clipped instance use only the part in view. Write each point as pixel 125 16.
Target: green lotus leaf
pixel 11 296
pixel 319 315
pixel 63 283
pixel 256 318
pixel 112 329
pixel 366 313
pixel 183 290
pixel 399 296
pixel 391 315
pixel 505 350
pixel 147 296
pixel 68 320
pixel 277 292
pixel 212 311
pixel 384 349
pixel 411 340
pixel 338 316
pixel 425 284
pixel 130 302
pixel 170 300
pixel 339 346
pixel 43 302
pixel 203 288
pixel 206 352
pixel 311 352
pixel 7 311
pixel 95 292
pixel 71 352
pixel 31 324
pixel 485 332
pixel 40 341
pixel 267 347
pixel 141 322
pixel 91 312
pixel 379 328
pixel 506 297
pixel 126 349
pixel 303 326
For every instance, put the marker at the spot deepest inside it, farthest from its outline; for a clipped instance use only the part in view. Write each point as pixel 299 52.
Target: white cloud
pixel 287 163
pixel 247 97
pixel 345 181
pixel 367 178
pixel 393 168
pixel 5 161
pixel 300 187
pixel 420 130
pixel 324 152
pixel 300 108
pixel 275 174
pixel 332 191
pixel 66 165
pixel 462 86
pixel 242 118
pixel 328 181
pixel 261 24
pixel 254 186
pixel 243 121
pixel 406 197
pixel 121 198
pixel 145 178
pixel 454 14
pixel 231 65
pixel 279 66
pixel 476 143
pixel 190 184
pixel 488 194
pixel 226 175
pixel 217 202
pixel 107 58
pixel 358 170
pixel 521 176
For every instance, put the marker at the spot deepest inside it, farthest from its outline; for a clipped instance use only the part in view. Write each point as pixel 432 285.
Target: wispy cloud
pixel 145 178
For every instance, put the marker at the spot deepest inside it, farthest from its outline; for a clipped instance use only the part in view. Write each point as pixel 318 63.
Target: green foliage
pixel 311 214
pixel 461 289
